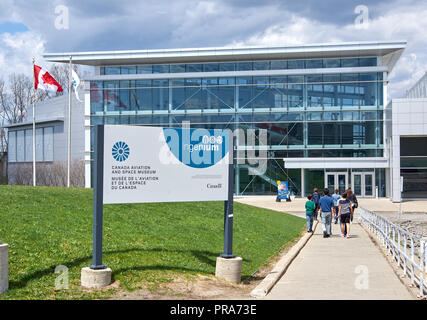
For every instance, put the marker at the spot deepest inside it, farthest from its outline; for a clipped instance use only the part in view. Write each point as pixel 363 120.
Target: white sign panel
pixel 153 164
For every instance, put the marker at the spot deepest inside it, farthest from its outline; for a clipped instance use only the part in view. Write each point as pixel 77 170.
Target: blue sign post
pixel 98 191
pixel 228 208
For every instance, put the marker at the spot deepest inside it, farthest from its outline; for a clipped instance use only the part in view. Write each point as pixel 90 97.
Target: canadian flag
pixel 44 81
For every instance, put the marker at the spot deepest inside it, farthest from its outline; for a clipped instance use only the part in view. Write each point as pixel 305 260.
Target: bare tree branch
pixel 61 73
pixel 18 94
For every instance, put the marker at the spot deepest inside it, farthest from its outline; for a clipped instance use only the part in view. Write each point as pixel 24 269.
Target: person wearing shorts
pixel 345 213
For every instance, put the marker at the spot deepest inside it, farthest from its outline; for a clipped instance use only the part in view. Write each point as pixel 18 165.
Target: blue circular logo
pixel 120 151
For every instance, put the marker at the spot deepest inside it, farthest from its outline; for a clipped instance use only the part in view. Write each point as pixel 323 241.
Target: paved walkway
pixel 326 268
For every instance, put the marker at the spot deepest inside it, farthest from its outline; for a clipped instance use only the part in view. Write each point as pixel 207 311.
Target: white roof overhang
pixel 391 50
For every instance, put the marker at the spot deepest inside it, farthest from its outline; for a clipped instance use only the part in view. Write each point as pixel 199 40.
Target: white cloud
pixel 6 10
pixel 17 51
pixel 191 23
pixel 397 23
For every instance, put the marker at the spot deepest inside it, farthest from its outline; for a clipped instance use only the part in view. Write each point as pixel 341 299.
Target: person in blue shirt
pixel 336 196
pixel 327 206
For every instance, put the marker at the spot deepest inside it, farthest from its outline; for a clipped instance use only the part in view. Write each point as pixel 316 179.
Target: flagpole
pixel 70 85
pixel 34 127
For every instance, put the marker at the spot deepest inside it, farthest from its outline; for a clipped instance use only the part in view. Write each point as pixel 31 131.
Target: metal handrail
pixel 402 245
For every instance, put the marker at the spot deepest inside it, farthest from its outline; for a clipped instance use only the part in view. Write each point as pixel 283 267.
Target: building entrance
pixel 336 180
pixel 363 184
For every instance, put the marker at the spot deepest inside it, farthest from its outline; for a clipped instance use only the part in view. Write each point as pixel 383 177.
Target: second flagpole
pixel 34 127
pixel 70 85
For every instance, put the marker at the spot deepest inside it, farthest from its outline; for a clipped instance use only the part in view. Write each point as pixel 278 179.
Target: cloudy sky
pixel 30 29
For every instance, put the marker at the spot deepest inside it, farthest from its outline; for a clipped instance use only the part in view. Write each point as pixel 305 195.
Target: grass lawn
pixel 144 244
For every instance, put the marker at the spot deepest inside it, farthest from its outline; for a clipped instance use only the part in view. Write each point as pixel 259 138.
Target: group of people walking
pixel 337 207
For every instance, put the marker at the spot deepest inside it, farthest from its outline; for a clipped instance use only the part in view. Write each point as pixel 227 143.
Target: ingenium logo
pixel 120 151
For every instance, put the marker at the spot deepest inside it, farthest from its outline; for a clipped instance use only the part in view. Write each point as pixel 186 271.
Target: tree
pixel 61 73
pixel 15 97
pixel 18 94
pixel 3 140
pixel 13 102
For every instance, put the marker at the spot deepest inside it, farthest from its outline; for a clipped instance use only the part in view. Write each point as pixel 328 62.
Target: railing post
pixel 394 242
pixel 384 233
pixel 389 238
pixel 386 236
pixel 412 261
pixel 422 264
pixel 404 253
pixel 425 253
pixel 377 225
pixel 398 247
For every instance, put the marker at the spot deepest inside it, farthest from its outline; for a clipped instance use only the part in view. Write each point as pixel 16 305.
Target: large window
pixel 48 144
pixel 143 95
pixel 357 133
pixel 413 166
pixel 294 93
pixel 266 184
pixel 11 153
pixel 414 183
pixel 160 95
pixel 241 66
pixel 314 91
pixel 20 148
pixel 29 145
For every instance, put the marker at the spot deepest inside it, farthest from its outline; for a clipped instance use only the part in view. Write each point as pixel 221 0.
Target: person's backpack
pixel 316 198
pixel 354 200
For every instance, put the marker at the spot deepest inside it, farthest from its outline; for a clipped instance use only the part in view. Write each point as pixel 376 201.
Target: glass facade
pixel 311 115
pixel 240 66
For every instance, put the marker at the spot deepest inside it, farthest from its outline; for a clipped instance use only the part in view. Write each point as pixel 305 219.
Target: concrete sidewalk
pixel 339 268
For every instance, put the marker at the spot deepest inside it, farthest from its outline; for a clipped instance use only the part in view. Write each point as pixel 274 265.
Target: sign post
pixel 228 266
pixel 4 267
pixel 228 208
pixel 98 193
pixel 97 275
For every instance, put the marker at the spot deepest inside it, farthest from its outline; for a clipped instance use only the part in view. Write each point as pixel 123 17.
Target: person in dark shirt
pixel 352 197
pixel 316 198
pixel 353 204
